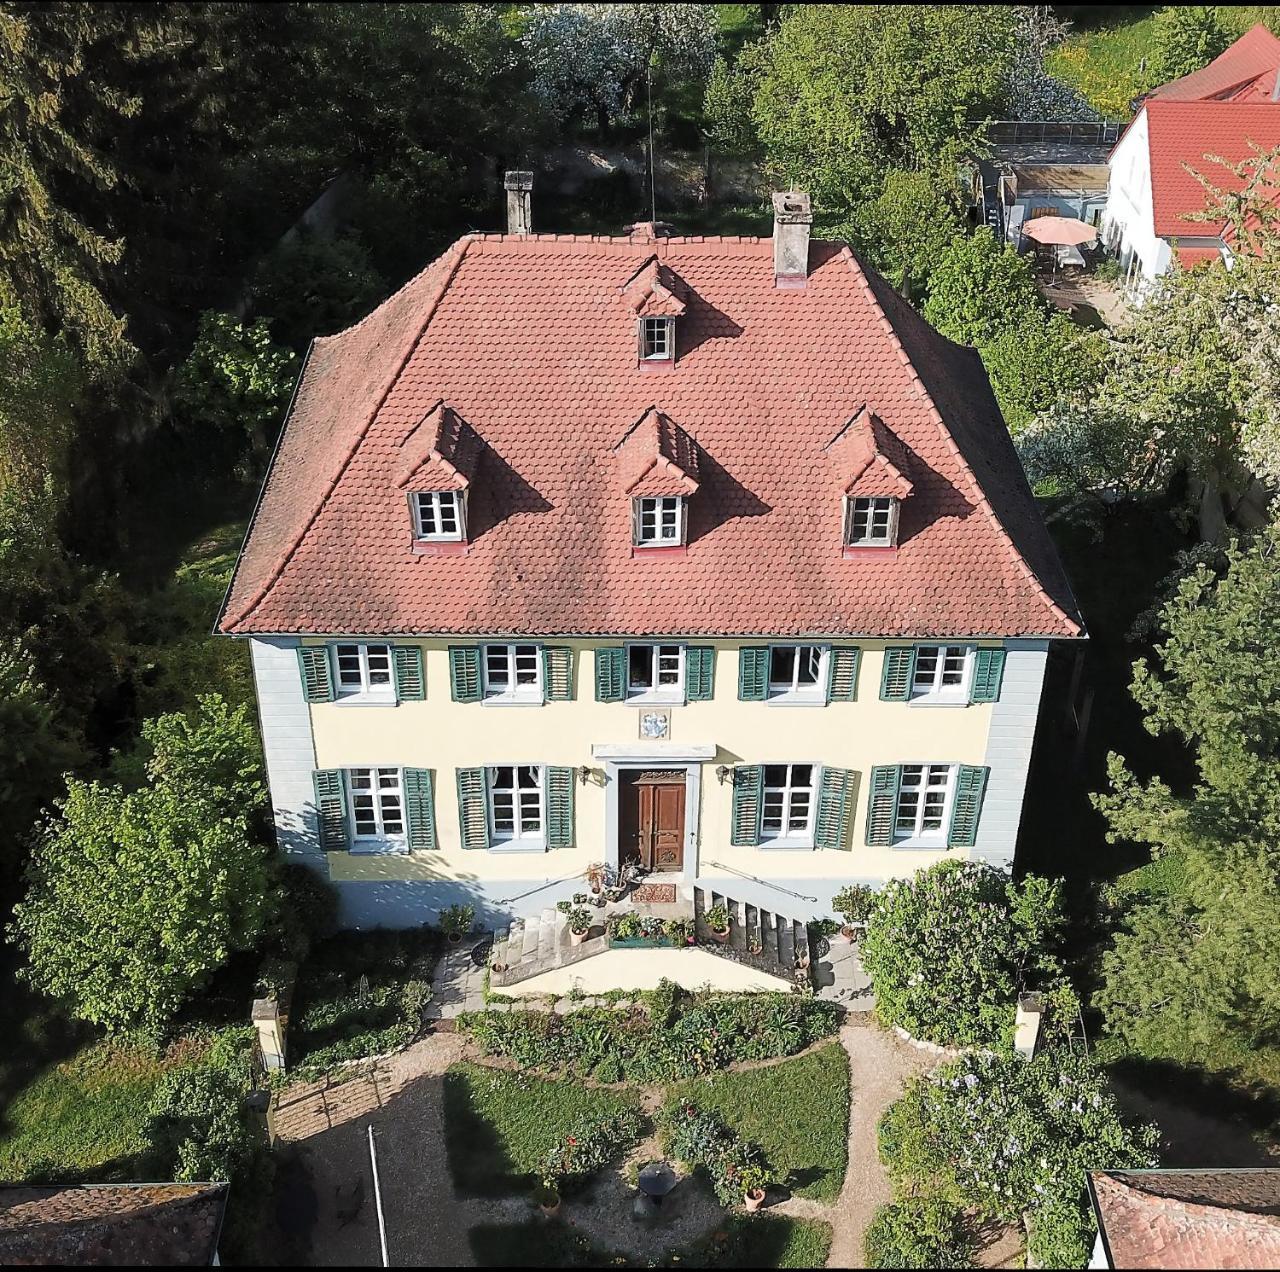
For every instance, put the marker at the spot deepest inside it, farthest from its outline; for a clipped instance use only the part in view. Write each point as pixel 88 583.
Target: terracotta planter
pixel 498 967
pixel 455 938
pixel 576 938
pixel 754 1199
pixel 722 937
pixel 551 1206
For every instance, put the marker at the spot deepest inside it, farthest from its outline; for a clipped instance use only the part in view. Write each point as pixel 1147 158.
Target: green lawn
pixel 498 1126
pixel 798 1112
pixel 1106 64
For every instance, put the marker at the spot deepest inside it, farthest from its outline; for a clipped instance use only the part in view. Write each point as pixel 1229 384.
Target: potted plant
pixel 579 924
pixel 595 877
pixel 718 922
pixel 854 904
pixel 548 1198
pixel 457 921
pixel 755 1181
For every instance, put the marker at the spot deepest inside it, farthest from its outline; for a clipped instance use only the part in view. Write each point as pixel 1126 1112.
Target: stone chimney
pixel 519 187
pixel 792 219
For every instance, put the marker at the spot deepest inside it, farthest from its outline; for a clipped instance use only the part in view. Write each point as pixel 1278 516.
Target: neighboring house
pixel 706 553
pixel 1186 1218
pixel 1224 110
pixel 111 1225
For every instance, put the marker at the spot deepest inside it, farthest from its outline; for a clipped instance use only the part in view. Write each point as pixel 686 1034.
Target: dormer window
pixel 439 516
pixel 659 522
pixel 871 522
pixel 657 339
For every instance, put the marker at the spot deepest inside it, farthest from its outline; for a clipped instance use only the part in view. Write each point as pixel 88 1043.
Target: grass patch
pixel 798 1112
pixel 499 1126
pixel 1106 64
pixel 742 1241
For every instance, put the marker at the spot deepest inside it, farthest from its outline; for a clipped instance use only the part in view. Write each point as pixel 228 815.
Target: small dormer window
pixel 440 516
pixel 657 339
pixel 659 522
pixel 871 522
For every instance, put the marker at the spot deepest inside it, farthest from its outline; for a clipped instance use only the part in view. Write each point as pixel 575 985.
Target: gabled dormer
pixel 656 295
pixel 658 467
pixel 872 465
pixel 438 461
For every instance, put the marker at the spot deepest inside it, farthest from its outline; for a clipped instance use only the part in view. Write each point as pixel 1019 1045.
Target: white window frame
pixel 435 500
pixel 667 347
pixel 890 537
pixel 380 840
pixel 366 691
pixel 657 693
pixel 917 836
pixel 795 694
pixel 512 693
pixel 787 837
pixel 658 539
pixel 931 690
pixel 519 840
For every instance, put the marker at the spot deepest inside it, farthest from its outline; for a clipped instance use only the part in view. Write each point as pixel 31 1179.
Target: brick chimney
pixel 519 187
pixel 792 219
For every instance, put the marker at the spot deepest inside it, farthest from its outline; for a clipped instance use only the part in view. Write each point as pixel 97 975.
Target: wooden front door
pixel 651 819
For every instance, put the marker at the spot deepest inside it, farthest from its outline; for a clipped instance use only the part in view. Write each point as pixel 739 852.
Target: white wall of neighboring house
pixel 1128 225
pixel 1099 1259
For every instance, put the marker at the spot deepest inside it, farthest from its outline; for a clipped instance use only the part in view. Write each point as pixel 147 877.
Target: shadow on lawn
pixel 478 1159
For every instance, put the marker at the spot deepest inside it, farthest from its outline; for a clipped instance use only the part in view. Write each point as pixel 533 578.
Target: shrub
pixel 854 903
pixel 590 1143
pixel 457 920
pixel 946 949
pixel 919 1232
pixel 1060 1235
pixel 309 911
pixel 699 1138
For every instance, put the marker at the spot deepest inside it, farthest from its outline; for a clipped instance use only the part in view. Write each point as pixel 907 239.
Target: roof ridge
pixel 459 251
pixel 1019 561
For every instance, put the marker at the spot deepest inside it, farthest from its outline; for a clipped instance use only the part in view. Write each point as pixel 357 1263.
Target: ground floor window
pixel 516 804
pixel 788 802
pixel 924 801
pixel 377 803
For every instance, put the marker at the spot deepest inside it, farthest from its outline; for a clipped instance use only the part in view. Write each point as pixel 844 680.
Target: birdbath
pixel 655 1181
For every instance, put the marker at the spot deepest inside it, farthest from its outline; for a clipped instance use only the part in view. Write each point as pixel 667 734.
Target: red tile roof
pixel 531 341
pixel 864 452
pixel 1182 136
pixel 1244 72
pixel 657 457
pixel 1189 1218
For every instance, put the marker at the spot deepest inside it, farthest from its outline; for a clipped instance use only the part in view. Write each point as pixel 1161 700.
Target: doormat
pixel 654 893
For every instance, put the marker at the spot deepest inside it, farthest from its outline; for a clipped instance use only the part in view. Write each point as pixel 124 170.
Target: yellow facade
pixel 442 735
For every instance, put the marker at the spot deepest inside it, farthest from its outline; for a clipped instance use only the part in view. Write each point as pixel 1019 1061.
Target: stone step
pixel 532 938
pixel 548 933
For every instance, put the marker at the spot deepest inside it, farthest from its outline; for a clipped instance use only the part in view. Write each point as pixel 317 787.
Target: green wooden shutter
pixel 464 673
pixel 748 795
pixel 971 785
pixel 331 807
pixel 420 809
pixel 843 680
pixel 835 802
pixel 560 807
pixel 411 683
pixel 317 674
pixel 473 810
pixel 988 672
pixel 557 673
pixel 611 674
pixel 753 673
pixel 899 671
pixel 700 673
pixel 882 804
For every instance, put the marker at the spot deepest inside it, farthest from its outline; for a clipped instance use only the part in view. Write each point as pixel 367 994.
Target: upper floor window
pixel 924 802
pixel 659 522
pixel 655 672
pixel 512 673
pixel 797 673
pixel 657 339
pixel 377 803
pixel 516 805
pixel 363 671
pixel 871 522
pixel 439 515
pixel 942 673
pixel 786 812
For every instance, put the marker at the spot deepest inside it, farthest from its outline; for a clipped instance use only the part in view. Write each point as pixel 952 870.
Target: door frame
pixel 613 770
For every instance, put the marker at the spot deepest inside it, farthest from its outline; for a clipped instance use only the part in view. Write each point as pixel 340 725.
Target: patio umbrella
pixel 1059 231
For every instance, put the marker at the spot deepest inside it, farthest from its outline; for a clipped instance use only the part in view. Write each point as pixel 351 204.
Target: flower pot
pixel 754 1199
pixel 455 938
pixel 550 1205
pixel 722 937
pixel 576 938
pixel 498 967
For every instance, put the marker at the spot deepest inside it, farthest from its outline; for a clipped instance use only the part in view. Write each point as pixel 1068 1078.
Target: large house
pixel 1227 110
pixel 706 554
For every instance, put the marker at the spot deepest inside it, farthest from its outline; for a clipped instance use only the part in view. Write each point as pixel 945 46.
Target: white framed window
pixel 516 804
pixel 797 673
pixel 943 673
pixel 363 671
pixel 657 339
pixel 655 673
pixel 659 522
pixel 512 673
pixel 439 515
pixel 871 522
pixel 376 800
pixel 924 803
pixel 788 799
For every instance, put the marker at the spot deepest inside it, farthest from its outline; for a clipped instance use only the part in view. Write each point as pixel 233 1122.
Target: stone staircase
pixel 540 944
pixel 769 942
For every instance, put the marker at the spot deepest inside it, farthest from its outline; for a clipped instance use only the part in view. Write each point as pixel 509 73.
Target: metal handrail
pixel 777 887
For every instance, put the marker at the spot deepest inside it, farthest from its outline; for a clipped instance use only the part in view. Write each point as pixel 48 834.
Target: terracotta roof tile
pixel 864 453
pixel 1246 71
pixel 525 339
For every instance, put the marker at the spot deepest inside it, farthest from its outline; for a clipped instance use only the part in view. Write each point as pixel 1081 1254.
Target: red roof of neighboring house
pixel 530 340
pixel 1244 72
pixel 1189 1218
pixel 1181 135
